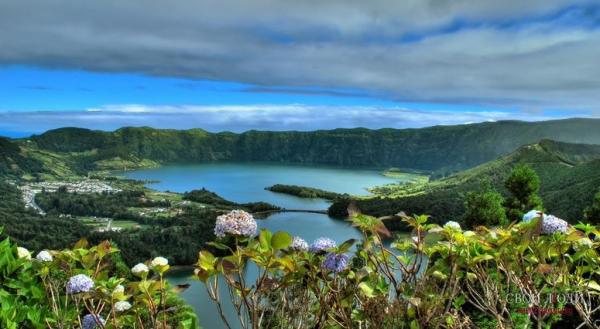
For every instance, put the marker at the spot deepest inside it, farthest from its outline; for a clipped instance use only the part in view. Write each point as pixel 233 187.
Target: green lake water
pixel 245 182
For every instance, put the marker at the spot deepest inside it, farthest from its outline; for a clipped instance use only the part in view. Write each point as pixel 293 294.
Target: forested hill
pixel 441 148
pixel 569 176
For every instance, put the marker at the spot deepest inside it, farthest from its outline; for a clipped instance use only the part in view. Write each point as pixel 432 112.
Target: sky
pixel 294 65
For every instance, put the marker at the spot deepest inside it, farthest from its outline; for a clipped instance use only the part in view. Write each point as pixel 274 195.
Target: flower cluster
pixel 79 283
pixel 299 244
pixel 335 262
pixel 122 306
pixel 140 269
pixel 236 222
pixel 159 261
pixel 91 322
pixel 552 224
pixel 453 225
pixel 119 289
pixel 322 244
pixel 44 256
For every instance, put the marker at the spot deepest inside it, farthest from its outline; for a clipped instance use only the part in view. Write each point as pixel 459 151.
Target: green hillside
pixel 444 149
pixel 569 174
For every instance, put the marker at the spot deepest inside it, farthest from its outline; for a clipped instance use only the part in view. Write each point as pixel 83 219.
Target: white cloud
pixel 260 117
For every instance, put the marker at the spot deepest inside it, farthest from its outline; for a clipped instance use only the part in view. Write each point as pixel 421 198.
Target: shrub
pixel 80 288
pixel 441 277
pixel 524 185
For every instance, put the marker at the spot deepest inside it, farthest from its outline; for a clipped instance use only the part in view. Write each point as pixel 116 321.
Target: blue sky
pixel 275 65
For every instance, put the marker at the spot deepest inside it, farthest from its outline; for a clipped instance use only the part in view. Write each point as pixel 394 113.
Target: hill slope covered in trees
pixel 441 148
pixel 569 176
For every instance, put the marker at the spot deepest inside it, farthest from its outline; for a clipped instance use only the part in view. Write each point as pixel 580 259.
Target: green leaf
pixel 344 247
pixel 281 240
pixel 264 239
pixel 366 289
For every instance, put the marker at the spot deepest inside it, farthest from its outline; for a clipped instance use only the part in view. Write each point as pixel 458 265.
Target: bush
pixel 441 277
pixel 82 288
pixel 485 208
pixel 524 185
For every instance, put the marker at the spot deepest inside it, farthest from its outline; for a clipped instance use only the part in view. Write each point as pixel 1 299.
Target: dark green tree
pixel 485 208
pixel 592 213
pixel 523 185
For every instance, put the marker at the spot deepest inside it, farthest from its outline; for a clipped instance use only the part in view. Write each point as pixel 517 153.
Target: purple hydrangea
pixel 236 222
pixel 322 244
pixel 552 224
pixel 79 283
pixel 91 322
pixel 299 244
pixel 335 262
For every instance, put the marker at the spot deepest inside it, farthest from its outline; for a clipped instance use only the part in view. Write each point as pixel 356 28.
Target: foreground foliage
pixel 531 274
pixel 85 287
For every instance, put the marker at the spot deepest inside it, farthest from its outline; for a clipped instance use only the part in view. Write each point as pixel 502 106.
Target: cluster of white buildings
pixel 29 190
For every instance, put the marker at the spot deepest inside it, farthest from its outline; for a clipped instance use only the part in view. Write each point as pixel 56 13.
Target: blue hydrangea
pixel 236 222
pixel 322 244
pixel 335 262
pixel 92 322
pixel 529 216
pixel 79 283
pixel 299 244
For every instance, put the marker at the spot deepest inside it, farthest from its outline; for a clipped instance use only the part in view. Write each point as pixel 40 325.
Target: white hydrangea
pixel 159 261
pixel 122 306
pixel 453 225
pixel 44 256
pixel 119 289
pixel 23 253
pixel 140 268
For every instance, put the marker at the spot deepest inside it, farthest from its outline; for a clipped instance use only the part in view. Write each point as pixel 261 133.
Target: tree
pixel 485 208
pixel 592 213
pixel 524 185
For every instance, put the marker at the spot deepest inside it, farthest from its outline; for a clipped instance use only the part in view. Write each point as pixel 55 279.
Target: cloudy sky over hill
pixel 273 64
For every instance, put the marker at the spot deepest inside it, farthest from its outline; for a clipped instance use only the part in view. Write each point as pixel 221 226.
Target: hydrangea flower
pixel 44 256
pixel 139 269
pixel 122 306
pixel 159 261
pixel 529 216
pixel 23 253
pixel 91 322
pixel 79 283
pixel 119 289
pixel 453 225
pixel 335 262
pixel 236 222
pixel 299 244
pixel 552 224
pixel 322 244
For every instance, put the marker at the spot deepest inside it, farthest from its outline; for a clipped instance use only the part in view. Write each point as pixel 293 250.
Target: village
pixel 29 190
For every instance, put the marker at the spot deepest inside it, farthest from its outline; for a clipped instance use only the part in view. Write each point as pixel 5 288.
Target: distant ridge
pixel 444 149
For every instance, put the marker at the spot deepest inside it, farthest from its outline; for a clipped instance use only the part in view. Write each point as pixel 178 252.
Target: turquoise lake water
pixel 245 182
